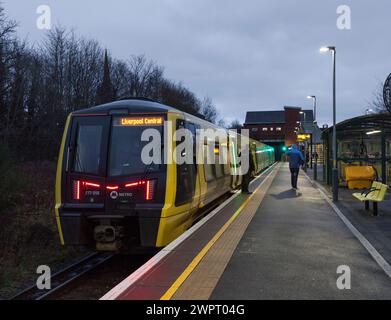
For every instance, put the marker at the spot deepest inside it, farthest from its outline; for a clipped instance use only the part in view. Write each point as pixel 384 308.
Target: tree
pixel 41 85
pixel 377 102
pixel 7 54
pixel 235 124
pixel 106 92
pixel 141 70
pixel 208 110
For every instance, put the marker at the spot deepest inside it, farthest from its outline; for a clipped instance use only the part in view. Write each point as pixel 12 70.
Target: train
pixel 108 199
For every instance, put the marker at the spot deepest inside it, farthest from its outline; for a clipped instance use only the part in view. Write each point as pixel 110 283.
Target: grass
pixel 28 231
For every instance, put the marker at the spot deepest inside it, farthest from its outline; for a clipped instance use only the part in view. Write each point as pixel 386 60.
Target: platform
pixel 275 244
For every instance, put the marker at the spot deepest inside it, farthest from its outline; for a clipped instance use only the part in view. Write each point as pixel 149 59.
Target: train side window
pixel 185 176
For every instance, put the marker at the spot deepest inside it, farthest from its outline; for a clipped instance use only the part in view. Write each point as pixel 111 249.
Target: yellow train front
pixel 107 198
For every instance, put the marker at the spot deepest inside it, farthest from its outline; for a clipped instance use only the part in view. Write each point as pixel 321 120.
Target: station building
pixel 282 128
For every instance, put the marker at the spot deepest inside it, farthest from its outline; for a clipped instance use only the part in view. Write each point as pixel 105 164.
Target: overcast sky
pixel 246 55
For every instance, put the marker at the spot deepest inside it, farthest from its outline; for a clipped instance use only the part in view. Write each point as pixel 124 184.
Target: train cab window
pixel 186 176
pixel 89 146
pixel 126 148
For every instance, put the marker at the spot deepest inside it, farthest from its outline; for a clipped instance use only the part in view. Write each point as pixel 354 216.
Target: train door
pixel 186 176
pixel 197 179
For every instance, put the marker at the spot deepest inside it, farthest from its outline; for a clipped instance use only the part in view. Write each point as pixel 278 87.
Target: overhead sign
pixel 139 121
pixel 303 137
pixel 387 93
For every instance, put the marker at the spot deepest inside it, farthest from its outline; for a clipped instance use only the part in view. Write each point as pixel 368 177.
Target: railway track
pixel 64 277
pixel 93 282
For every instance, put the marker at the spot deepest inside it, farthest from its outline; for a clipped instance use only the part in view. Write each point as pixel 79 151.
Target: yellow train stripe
pixel 190 268
pixel 58 180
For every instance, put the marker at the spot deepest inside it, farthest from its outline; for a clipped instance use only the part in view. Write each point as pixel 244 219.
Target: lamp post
pixel 335 168
pixel 314 105
pixel 305 142
pixel 313 126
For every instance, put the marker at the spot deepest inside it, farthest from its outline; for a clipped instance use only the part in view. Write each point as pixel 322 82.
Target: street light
pixel 305 142
pixel 314 100
pixel 335 168
pixel 313 126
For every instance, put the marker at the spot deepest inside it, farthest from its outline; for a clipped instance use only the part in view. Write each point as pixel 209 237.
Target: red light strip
pixel 147 196
pixel 111 187
pixel 133 184
pixel 92 184
pixel 78 190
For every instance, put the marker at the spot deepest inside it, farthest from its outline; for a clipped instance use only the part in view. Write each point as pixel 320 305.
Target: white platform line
pixel 364 241
pixel 151 263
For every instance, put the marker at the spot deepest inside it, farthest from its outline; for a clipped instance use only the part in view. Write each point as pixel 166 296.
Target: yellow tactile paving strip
pixel 202 280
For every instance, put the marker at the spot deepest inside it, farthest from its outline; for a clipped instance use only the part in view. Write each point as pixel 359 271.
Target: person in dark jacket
pixel 296 159
pixel 248 176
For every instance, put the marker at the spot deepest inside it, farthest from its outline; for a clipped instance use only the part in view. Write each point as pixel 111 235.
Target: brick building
pixel 278 128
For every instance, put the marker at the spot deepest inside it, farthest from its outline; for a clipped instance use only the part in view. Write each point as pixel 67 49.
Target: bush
pixel 11 180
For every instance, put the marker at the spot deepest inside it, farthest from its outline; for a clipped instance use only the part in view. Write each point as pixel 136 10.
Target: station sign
pixel 303 137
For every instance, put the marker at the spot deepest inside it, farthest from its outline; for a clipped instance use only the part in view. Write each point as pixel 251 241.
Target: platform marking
pixel 115 292
pixel 190 268
pixel 364 241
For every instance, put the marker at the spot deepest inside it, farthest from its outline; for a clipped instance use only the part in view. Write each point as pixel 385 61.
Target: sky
pixel 246 55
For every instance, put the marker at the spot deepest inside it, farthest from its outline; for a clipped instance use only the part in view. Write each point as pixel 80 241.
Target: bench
pixel 375 194
pixel 359 177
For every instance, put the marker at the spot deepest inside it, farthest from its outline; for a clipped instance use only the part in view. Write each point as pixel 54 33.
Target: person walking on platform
pixel 296 159
pixel 247 177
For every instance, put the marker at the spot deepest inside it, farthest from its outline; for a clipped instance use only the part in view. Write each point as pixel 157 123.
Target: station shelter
pixel 361 141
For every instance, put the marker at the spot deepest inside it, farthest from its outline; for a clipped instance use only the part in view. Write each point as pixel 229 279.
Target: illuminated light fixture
pixel 76 195
pixel 89 184
pixel 373 132
pixel 324 49
pixel 148 191
pixel 131 184
pixel 134 184
pixel 301 112
pixel 112 187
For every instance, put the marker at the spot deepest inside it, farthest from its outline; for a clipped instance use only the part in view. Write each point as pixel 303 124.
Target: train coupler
pixel 108 238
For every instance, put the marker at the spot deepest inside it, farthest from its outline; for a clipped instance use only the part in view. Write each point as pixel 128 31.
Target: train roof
pixel 134 105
